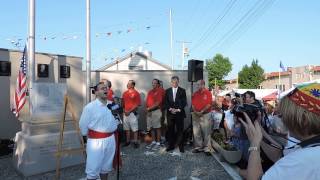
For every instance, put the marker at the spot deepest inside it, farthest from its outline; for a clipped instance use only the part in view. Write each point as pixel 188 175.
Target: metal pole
pixel 31 50
pixel 279 91
pixel 183 52
pixel 182 55
pixel 310 72
pixel 171 40
pixel 88 53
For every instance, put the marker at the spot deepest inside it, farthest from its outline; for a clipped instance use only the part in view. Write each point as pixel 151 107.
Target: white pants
pixel 100 153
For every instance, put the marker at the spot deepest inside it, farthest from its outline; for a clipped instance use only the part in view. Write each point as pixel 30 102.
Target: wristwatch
pixel 253 148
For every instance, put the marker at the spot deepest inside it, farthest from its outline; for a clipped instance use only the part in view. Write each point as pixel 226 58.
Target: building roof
pixel 276 74
pixel 316 68
pixel 132 54
pixel 43 53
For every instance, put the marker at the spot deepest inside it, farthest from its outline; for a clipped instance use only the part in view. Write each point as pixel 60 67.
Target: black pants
pixel 175 130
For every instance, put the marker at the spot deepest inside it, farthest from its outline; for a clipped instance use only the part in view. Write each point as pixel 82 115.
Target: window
pixel 135 67
pixel 282 87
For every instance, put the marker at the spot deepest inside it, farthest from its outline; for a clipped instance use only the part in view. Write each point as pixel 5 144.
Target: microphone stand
pixel 116 115
pixel 118 144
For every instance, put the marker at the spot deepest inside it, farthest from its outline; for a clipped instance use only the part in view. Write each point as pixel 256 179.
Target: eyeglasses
pixel 103 88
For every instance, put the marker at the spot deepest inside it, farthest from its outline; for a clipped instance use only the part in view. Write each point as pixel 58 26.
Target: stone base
pixel 36 154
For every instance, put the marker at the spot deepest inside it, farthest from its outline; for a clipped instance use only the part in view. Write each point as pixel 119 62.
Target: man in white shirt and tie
pixel 175 102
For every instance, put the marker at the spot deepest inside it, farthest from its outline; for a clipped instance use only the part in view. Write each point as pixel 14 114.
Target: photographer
pixel 300 114
pixel 98 123
pixel 271 150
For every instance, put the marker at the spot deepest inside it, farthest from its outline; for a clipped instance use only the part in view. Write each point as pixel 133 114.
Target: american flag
pixel 20 93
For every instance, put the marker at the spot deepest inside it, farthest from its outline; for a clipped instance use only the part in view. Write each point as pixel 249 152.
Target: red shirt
pixel 110 95
pixel 154 96
pixel 201 99
pixel 131 99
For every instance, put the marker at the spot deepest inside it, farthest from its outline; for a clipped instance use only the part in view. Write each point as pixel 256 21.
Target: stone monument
pixel 37 142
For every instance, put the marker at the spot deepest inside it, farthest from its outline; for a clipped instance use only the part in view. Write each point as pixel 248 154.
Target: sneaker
pixel 150 146
pixel 169 148
pixel 197 150
pixel 156 147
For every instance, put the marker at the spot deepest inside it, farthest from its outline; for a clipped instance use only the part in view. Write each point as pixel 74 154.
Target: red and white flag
pixel 21 88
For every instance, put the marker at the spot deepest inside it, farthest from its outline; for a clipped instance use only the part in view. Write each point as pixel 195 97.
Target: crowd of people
pixel 274 137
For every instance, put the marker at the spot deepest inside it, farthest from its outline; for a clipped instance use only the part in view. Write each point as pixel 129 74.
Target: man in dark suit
pixel 175 101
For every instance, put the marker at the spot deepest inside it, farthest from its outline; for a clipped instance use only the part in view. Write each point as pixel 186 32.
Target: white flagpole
pixel 279 89
pixel 171 39
pixel 31 50
pixel 88 53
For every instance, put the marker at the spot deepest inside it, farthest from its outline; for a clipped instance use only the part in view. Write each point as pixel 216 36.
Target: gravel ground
pixel 139 164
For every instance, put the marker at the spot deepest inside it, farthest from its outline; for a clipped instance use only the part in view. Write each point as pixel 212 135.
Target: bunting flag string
pixel 75 36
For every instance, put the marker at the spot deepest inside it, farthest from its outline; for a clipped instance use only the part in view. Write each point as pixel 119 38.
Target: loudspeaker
pixel 64 71
pixel 195 70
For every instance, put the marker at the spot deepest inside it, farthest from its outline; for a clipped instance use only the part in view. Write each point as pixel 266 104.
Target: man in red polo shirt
pixel 131 102
pixel 201 105
pixel 153 106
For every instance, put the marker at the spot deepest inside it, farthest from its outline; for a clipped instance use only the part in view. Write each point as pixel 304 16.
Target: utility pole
pixel 183 51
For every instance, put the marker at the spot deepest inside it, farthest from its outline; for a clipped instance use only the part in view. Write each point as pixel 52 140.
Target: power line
pixel 213 26
pixel 240 24
pixel 205 15
pixel 245 26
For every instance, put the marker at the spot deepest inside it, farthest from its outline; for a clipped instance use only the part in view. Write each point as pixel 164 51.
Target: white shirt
pixel 96 116
pixel 174 91
pixel 229 119
pixel 216 118
pixel 301 164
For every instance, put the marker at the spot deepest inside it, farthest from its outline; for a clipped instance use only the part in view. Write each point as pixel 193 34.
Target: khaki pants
pixel 201 131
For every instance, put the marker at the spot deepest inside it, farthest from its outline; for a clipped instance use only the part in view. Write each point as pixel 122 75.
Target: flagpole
pixel 310 73
pixel 31 50
pixel 88 53
pixel 171 39
pixel 279 90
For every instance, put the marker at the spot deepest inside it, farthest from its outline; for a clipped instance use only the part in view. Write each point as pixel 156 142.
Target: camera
pixel 251 109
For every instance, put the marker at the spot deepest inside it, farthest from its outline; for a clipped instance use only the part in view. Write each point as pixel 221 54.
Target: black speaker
pixel 195 70
pixel 64 71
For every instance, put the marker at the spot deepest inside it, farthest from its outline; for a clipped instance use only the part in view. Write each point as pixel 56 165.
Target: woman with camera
pixel 300 111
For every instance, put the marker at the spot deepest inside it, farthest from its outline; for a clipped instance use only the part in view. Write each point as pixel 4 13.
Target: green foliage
pixel 250 77
pixel 218 68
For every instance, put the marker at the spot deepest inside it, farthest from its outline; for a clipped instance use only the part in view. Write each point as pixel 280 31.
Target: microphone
pixel 113 106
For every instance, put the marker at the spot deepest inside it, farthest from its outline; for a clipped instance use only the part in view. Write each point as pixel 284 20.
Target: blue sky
pixel 267 30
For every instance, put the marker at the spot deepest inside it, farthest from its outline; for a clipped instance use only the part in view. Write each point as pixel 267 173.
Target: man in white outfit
pixel 99 125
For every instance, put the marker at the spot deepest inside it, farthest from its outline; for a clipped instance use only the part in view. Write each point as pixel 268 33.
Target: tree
pixel 218 68
pixel 250 77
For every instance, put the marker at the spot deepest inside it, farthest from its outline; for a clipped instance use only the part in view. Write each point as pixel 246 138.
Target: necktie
pixel 174 94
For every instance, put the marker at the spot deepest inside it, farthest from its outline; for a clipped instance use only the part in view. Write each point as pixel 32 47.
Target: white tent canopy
pixel 260 93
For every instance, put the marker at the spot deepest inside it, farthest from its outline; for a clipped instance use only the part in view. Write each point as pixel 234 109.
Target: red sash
pixel 98 135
